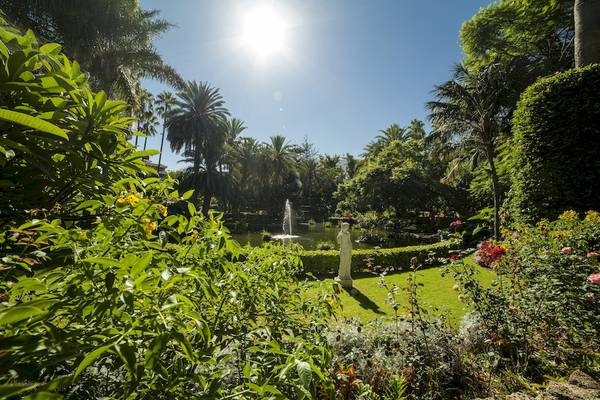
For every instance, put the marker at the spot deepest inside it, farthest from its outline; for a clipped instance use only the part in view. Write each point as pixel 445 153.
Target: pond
pixel 310 235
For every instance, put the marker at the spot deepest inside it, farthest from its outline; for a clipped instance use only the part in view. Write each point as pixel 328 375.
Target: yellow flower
pixel 163 210
pixel 132 199
pixel 121 201
pixel 194 235
pixel 569 215
pixel 592 217
pixel 150 226
pixel 330 300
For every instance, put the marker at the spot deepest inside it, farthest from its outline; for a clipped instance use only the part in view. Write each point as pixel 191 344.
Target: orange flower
pixel 150 226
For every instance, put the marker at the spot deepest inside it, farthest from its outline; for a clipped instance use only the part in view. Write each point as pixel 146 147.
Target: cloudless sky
pixel 349 68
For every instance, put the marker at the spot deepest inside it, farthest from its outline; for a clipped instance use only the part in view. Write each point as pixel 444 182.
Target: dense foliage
pixel 400 176
pixel 59 139
pixel 557 146
pixel 111 39
pixel 104 294
pixel 541 317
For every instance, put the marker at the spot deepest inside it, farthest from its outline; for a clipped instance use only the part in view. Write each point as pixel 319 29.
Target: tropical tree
pixel 281 158
pixel 587 32
pixel 469 115
pixel 147 120
pixel 351 165
pixel 164 106
pixel 415 129
pixel 112 39
pixel 388 135
pixel 197 128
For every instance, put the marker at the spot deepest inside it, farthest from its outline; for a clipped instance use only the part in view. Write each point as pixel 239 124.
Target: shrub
pixel 326 245
pixel 59 139
pixel 425 356
pixel 541 316
pixel 327 261
pixel 557 146
pixel 106 295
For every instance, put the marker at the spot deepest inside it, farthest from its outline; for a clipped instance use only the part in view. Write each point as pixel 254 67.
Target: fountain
pixel 287 224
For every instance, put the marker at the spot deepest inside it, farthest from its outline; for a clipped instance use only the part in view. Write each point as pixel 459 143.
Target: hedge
pixel 556 129
pixel 327 261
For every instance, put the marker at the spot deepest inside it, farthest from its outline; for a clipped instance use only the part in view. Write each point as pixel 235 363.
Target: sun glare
pixel 263 32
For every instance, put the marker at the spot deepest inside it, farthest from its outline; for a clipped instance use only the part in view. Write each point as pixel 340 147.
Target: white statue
pixel 345 243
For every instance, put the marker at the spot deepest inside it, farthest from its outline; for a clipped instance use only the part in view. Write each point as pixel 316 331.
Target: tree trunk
pixel 587 32
pixel 162 142
pixel 495 190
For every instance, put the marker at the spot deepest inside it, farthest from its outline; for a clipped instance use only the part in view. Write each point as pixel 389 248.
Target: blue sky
pixel 349 68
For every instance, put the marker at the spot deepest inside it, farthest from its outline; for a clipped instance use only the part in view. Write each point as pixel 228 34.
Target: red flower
pixel 565 250
pixel 594 278
pixel 456 223
pixel 592 254
pixel 488 254
pixel 454 256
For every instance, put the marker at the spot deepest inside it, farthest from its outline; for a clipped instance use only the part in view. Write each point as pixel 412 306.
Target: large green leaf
pixel 90 358
pixel 32 122
pixel 18 313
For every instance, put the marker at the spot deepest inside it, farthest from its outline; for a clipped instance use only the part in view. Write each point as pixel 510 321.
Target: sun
pixel 263 32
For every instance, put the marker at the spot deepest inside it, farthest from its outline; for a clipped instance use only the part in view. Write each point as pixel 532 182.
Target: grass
pixel 370 301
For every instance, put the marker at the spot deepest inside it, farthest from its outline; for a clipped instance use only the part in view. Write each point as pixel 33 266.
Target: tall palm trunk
pixel 587 32
pixel 162 142
pixel 490 154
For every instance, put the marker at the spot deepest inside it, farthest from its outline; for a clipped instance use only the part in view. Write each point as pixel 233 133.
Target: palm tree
pixel 110 39
pixel 196 127
pixel 388 135
pixel 141 108
pixel 587 32
pixel 415 129
pixel 232 129
pixel 351 165
pixel 469 114
pixel 281 158
pixel 164 103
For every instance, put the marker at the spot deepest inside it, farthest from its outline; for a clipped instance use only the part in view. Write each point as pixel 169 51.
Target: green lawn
pixel 370 301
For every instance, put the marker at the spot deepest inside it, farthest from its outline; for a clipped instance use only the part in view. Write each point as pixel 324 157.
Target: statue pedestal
pixel 346 283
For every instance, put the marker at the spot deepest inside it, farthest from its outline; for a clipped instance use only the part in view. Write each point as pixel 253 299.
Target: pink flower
pixel 565 250
pixel 592 254
pixel 454 256
pixel 594 279
pixel 456 223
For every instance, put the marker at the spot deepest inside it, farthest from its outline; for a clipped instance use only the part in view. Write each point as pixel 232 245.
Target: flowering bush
pixel 488 254
pixel 541 316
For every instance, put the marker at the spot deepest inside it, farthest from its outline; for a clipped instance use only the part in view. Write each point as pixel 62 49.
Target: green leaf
pixel 191 209
pixel 44 396
pixel 18 313
pixel 90 358
pixel 187 194
pixel 304 373
pixel 32 122
pixel 15 388
pixel 140 154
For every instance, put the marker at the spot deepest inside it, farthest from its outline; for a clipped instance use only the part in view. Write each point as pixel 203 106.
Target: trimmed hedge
pixel 327 261
pixel 556 129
